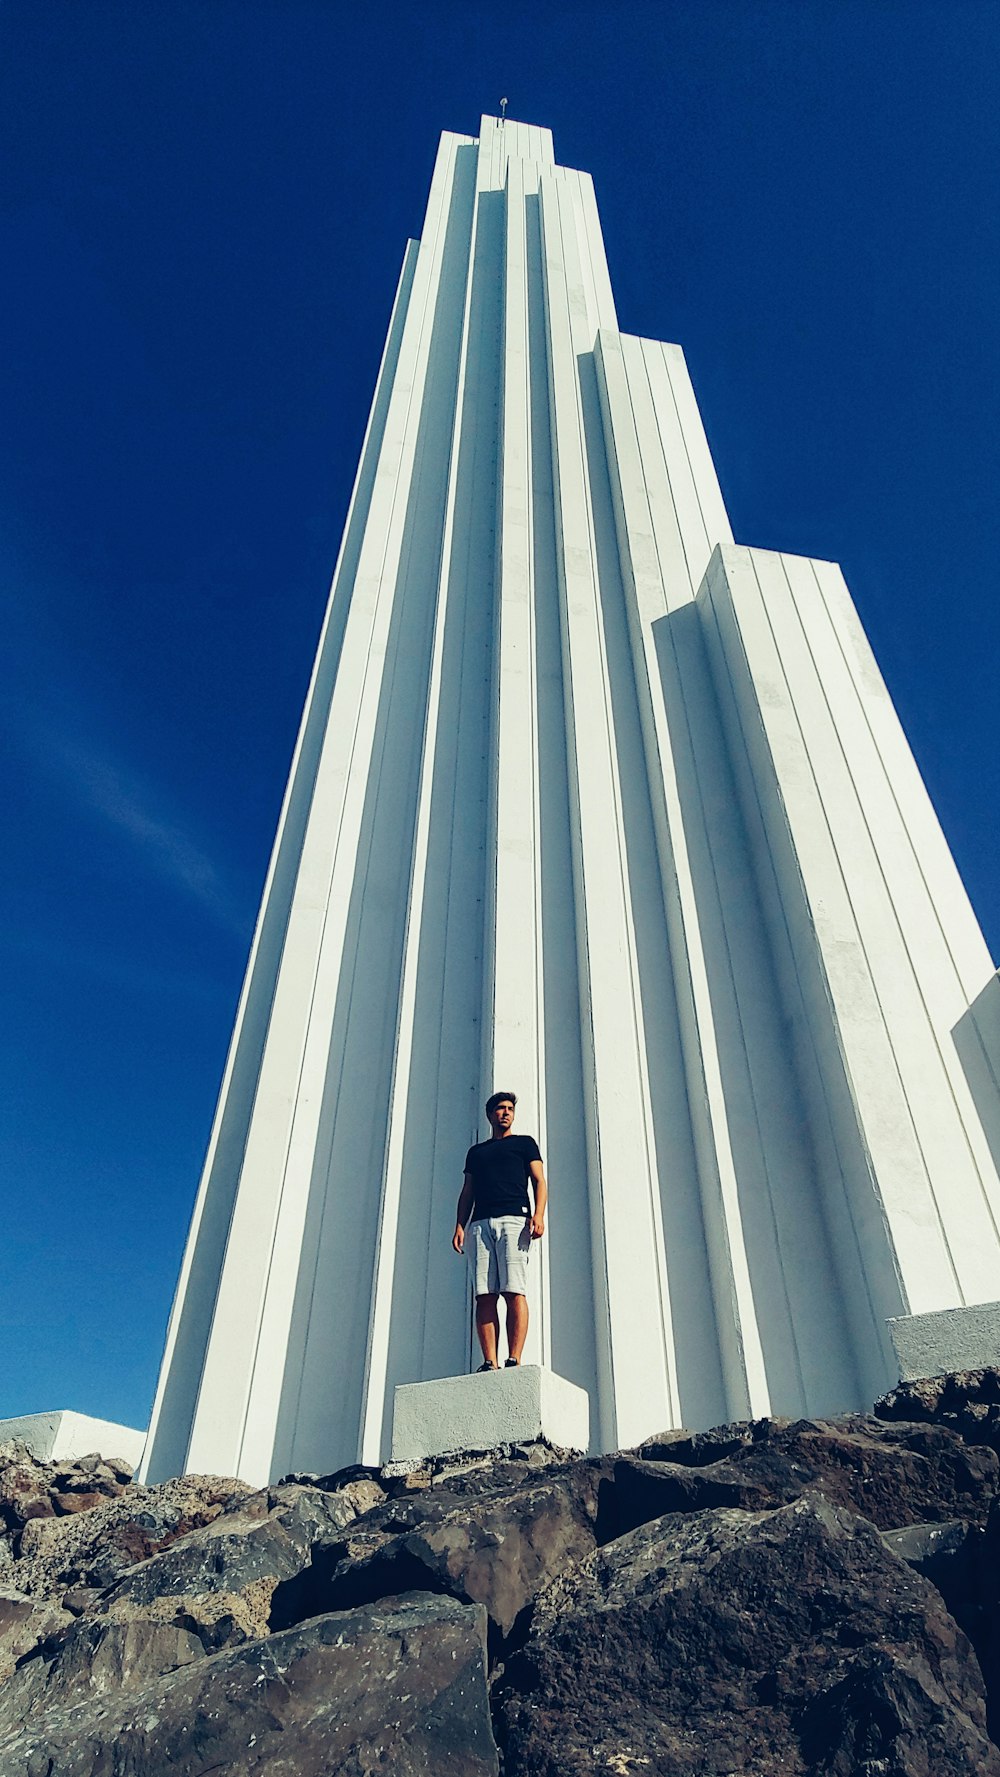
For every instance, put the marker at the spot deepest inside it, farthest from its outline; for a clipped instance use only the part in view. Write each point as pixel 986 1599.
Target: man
pixel 494 1207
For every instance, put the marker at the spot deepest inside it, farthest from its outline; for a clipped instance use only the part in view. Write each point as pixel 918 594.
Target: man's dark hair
pixel 496 1098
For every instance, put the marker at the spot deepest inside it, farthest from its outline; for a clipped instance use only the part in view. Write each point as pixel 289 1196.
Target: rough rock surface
pixel 732 1641
pixel 777 1598
pixel 891 1473
pixel 91 1546
pixel 30 1489
pixel 219 1580
pixel 400 1689
pixel 491 1548
pixel 24 1622
pixel 967 1402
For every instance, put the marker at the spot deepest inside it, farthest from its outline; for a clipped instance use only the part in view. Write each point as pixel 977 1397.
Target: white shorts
pixel 498 1248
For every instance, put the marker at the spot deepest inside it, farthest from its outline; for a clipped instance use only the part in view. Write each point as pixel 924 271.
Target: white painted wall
pixel 883 940
pixel 62 1436
pixel 590 804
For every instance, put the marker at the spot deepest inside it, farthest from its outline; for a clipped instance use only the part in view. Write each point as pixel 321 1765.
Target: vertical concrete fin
pixel 793 827
pixel 942 886
pixel 438 964
pixel 653 557
pixel 636 1368
pixel 977 1044
pixel 505 141
pixel 513 1029
pixel 888 975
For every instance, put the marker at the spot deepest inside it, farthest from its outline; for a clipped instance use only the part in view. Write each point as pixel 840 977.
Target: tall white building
pixel 590 803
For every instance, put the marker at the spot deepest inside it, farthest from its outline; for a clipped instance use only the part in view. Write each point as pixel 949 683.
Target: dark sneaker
pixel 513 1363
pixel 486 1366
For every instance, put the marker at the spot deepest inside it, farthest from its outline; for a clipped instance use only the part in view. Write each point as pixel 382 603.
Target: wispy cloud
pixel 117 795
pixel 55 720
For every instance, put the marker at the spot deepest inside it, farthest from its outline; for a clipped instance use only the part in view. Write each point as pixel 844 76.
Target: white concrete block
pixel 479 1412
pixel 62 1436
pixel 952 1339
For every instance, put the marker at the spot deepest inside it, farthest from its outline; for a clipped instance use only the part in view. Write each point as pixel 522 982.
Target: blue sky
pixel 202 214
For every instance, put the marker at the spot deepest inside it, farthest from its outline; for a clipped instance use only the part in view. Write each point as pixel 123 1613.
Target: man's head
pixel 500 1110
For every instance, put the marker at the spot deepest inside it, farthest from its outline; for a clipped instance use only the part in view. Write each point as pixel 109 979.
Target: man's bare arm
pixel 463 1212
pixel 541 1199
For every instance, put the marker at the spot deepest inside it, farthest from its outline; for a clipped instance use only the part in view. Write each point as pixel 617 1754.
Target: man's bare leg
pixel 517 1324
pixel 488 1326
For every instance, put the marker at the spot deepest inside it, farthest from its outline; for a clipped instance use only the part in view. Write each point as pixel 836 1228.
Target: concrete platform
pixel 952 1339
pixel 61 1436
pixel 478 1412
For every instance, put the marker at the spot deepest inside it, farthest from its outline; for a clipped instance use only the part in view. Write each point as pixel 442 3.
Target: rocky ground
pixel 774 1598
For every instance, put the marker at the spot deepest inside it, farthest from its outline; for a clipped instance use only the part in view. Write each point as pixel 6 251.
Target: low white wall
pixel 62 1436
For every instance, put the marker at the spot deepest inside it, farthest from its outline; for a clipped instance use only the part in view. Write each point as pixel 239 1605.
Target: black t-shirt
pixel 499 1172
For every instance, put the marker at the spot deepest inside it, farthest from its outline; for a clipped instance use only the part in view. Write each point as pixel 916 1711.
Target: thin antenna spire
pixel 503 111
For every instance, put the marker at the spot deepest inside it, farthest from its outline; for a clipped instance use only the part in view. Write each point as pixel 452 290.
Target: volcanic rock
pixel 778 1598
pixel 94 1547
pixel 23 1493
pixel 893 1474
pixel 963 1562
pixel 32 1489
pixel 400 1689
pixel 492 1548
pixel 24 1622
pixel 966 1402
pixel 633 1491
pixel 78 1501
pixel 218 1581
pixel 94 1658
pixel 787 1642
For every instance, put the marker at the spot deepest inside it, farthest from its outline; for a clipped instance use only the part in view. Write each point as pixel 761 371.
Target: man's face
pixel 502 1115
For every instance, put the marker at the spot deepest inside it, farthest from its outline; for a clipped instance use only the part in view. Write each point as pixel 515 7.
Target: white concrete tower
pixel 589 803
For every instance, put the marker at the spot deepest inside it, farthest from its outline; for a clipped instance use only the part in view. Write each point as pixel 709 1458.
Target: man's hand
pixel 541 1190
pixel 466 1198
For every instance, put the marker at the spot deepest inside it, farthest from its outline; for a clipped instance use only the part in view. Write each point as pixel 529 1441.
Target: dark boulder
pixel 496 1549
pixel 633 1492
pixel 207 1590
pixel 464 1474
pixel 400 1689
pixel 94 1658
pixel 894 1474
pixel 217 1581
pixel 712 1603
pixel 962 1562
pixel 787 1642
pixel 24 1622
pixel 950 1556
pixel 966 1402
